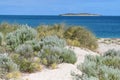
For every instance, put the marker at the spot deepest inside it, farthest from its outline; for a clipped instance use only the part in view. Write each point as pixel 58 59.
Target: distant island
pixel 79 14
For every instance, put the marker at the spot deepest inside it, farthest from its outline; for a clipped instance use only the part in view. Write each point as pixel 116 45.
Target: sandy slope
pixel 63 72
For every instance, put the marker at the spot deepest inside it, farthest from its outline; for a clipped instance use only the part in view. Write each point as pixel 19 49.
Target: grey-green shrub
pixel 20 36
pixel 6 65
pixel 68 56
pixel 35 44
pixel 106 67
pixel 112 52
pixel 25 50
pixel 53 50
pixel 1 38
pixel 12 41
pixel 112 58
pixel 24 57
pixel 51 54
pixel 2 49
pixel 53 41
pixel 55 54
pixel 26 33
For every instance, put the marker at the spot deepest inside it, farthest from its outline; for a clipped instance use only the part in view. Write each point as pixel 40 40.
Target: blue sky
pixel 55 7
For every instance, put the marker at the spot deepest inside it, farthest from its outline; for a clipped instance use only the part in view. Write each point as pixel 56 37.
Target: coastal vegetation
pixel 48 30
pixel 105 67
pixel 79 36
pixel 27 49
pixel 74 35
pixel 22 50
pixel 1 38
pixel 6 27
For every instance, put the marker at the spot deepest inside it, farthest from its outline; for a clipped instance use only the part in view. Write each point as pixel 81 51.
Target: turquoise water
pixel 102 26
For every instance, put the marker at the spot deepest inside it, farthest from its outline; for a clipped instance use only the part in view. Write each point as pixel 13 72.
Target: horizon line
pixel 42 15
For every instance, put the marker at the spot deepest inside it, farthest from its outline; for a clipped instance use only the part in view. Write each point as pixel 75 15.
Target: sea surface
pixel 101 26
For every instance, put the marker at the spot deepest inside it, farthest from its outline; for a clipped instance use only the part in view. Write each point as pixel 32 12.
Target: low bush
pixel 20 36
pixel 6 27
pixel 24 57
pixel 104 67
pixel 50 55
pixel 35 67
pixel 35 44
pixel 44 61
pixel 1 38
pixel 68 56
pixel 53 41
pixel 47 30
pixel 83 36
pixel 54 66
pixel 2 49
pixel 73 42
pixel 26 64
pixel 13 75
pixel 6 65
pixel 53 51
pixel 29 66
pixel 54 54
pixel 112 52
pixel 25 50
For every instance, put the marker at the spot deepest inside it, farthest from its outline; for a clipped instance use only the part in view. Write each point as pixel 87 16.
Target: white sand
pixel 63 72
pixel 105 45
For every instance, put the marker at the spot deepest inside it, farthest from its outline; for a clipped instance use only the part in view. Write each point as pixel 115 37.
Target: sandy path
pixel 62 73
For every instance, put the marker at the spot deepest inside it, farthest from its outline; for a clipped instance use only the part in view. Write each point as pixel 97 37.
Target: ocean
pixel 101 26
